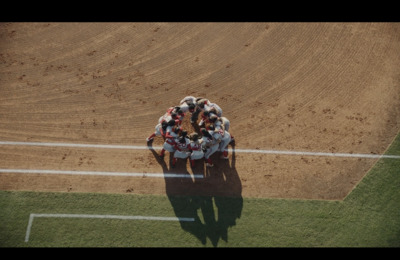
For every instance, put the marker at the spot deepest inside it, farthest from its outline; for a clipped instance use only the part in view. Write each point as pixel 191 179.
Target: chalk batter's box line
pixel 94 216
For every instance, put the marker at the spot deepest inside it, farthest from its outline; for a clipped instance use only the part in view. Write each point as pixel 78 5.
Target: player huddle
pixel 214 131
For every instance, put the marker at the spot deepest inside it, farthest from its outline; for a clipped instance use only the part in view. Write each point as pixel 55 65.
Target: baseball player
pixel 171 138
pixel 221 123
pixel 225 141
pixel 213 108
pixel 211 143
pixel 174 113
pixel 182 148
pixel 188 103
pixel 161 128
pixel 205 119
pixel 200 106
pixel 181 111
pixel 208 118
pixel 170 114
pixel 209 110
pixel 196 148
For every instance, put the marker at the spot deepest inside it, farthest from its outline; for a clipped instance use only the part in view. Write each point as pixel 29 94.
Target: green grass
pixel 368 217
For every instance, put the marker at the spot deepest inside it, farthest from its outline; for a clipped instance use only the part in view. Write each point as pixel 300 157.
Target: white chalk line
pixel 143 147
pixel 120 217
pixel 101 173
pixel 348 155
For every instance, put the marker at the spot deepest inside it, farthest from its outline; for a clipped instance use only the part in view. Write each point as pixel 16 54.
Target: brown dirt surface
pixel 315 87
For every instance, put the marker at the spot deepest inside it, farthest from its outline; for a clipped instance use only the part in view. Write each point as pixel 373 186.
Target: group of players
pixel 214 131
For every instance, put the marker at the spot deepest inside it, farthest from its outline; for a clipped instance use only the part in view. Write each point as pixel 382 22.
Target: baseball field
pixel 314 109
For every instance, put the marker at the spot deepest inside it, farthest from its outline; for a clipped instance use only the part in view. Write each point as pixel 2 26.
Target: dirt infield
pixel 316 87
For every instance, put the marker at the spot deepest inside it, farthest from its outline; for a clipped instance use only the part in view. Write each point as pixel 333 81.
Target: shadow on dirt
pixel 214 201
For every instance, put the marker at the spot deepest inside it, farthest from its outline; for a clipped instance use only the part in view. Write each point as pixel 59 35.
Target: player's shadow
pixel 219 189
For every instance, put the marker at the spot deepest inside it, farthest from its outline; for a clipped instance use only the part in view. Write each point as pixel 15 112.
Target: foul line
pixel 349 155
pixel 33 215
pixel 99 173
pixel 142 147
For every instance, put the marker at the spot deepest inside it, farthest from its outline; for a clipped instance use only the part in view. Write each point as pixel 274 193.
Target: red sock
pixel 174 161
pixel 152 135
pixel 162 152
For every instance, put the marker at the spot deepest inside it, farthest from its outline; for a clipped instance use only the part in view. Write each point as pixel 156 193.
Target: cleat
pixel 209 164
pixel 224 157
pixel 149 139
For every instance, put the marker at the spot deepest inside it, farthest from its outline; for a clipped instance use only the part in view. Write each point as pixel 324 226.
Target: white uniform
pixel 158 129
pixel 224 121
pixel 169 144
pixel 182 151
pixel 197 150
pixel 210 105
pixel 183 104
pixel 165 118
pixel 225 139
pixel 191 99
pixel 212 145
pixel 202 100
pixel 198 101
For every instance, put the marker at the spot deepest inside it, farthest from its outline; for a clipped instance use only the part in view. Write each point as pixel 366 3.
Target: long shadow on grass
pixel 198 198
